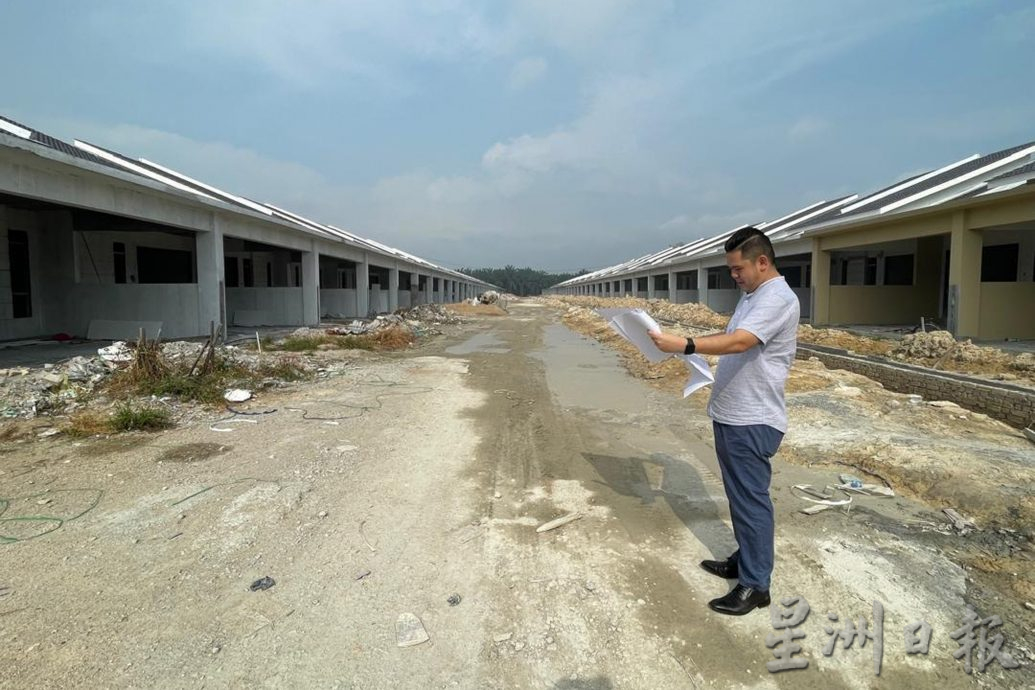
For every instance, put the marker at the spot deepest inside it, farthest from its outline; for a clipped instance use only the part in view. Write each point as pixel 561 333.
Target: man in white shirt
pixel 749 416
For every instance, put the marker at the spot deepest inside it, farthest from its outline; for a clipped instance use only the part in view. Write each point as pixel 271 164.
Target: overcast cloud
pixel 562 135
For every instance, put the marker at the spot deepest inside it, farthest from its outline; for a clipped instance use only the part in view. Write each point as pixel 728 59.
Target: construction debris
pixel 263 583
pixel 409 631
pixel 429 313
pixel 825 498
pixel 237 395
pixel 489 297
pixel 932 349
pixel 116 352
pixel 559 522
pixel 963 525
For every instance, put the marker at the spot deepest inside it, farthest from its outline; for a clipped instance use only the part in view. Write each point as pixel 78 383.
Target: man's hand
pixel 666 342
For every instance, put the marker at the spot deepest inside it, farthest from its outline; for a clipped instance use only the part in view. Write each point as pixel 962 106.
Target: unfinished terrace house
pixel 954 246
pixel 96 244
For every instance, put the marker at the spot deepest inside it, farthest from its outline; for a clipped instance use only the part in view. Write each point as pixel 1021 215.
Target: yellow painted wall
pixel 892 304
pixel 1007 310
pixel 880 304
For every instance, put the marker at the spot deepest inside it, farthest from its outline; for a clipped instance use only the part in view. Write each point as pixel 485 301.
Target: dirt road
pixel 420 475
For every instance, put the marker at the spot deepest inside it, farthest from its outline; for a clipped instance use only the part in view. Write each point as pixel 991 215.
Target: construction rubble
pixel 67 386
pixel 936 349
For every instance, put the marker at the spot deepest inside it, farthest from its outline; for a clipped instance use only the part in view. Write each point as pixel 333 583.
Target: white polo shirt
pixel 749 386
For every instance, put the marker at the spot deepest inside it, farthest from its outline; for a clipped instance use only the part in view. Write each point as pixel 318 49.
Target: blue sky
pixel 558 134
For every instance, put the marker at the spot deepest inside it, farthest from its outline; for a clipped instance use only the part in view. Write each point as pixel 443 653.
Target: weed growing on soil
pixel 88 423
pixel 394 338
pixel 125 418
pixel 206 384
pixel 336 342
pixel 129 418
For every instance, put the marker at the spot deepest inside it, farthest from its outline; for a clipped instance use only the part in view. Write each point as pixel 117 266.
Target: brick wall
pixel 1014 405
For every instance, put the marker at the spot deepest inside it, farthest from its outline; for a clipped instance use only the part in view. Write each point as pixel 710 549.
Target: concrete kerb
pixel 1014 405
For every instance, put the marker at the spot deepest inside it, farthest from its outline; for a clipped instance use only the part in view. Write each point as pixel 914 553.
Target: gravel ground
pixel 404 479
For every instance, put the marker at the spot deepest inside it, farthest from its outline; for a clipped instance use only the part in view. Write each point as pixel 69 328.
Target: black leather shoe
pixel 726 569
pixel 739 601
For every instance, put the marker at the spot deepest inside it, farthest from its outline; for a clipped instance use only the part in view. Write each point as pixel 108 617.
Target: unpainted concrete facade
pixel 81 242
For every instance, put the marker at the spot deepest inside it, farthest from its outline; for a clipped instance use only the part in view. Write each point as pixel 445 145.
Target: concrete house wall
pixel 973 308
pixel 72 270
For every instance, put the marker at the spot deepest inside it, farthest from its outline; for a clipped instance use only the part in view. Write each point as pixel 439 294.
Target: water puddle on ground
pixel 482 342
pixel 581 373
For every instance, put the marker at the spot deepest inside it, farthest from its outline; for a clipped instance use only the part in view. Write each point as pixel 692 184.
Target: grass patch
pixel 281 369
pixel 125 418
pixel 393 338
pixel 303 343
pixel 88 424
pixel 310 343
pixel 206 385
pixel 129 418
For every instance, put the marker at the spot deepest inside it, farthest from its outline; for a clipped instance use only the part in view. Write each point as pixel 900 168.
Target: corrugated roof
pixel 207 193
pixel 38 137
pixel 947 175
pixel 1020 170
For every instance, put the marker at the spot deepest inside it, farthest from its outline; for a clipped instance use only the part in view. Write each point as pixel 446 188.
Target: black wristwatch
pixel 690 347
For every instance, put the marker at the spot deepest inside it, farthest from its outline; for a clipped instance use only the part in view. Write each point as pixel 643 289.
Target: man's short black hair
pixel 752 244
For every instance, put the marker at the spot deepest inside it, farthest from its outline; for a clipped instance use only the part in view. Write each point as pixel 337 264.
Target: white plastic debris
pixel 116 352
pixel 237 395
pixel 554 524
pixel 409 631
pixel 215 426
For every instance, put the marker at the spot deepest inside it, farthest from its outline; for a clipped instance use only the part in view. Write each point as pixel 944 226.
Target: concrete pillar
pixel 673 288
pixel 702 285
pixel 311 288
pixel 964 278
pixel 414 289
pixel 211 296
pixel 820 309
pixel 650 286
pixel 393 289
pixel 363 287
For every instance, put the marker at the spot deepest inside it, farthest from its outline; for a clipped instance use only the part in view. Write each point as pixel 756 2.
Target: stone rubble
pixel 27 392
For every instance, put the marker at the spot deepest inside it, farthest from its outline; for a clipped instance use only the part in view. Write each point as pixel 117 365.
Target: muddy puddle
pixel 583 374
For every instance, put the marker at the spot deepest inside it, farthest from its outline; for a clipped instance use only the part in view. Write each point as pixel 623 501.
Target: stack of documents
pixel 633 325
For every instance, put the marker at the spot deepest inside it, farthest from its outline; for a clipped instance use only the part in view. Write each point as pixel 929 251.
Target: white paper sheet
pixel 633 325
pixel 700 373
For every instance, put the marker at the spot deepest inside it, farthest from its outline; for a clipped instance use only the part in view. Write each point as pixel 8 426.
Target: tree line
pixel 520 281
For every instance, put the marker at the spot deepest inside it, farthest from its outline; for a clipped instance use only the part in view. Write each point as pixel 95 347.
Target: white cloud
pixel 311 44
pixel 526 72
pixel 609 138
